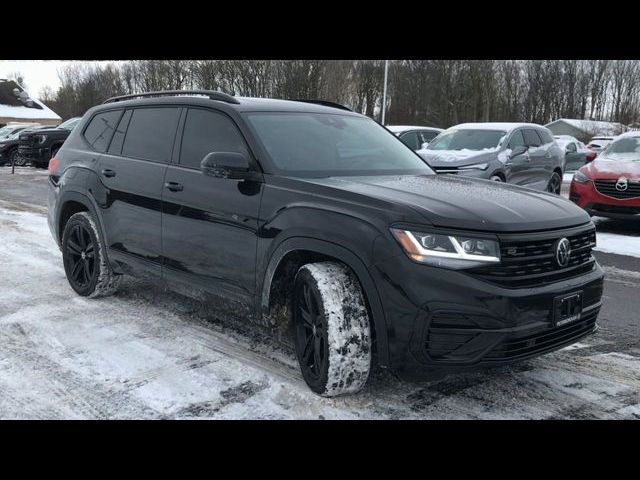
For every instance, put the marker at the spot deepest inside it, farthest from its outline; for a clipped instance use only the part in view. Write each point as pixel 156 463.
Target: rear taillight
pixel 590 156
pixel 54 163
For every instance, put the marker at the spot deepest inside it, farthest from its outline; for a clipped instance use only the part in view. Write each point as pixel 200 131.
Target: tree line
pixel 438 93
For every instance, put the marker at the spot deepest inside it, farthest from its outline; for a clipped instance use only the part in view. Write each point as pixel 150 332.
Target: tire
pixel 19 160
pixel 496 178
pixel 555 184
pixel 332 333
pixel 85 261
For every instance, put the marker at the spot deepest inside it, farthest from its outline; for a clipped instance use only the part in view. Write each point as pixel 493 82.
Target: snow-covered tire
pixel 101 281
pixel 330 315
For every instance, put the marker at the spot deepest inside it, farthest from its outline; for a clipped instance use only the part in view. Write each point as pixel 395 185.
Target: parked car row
pixel 319 223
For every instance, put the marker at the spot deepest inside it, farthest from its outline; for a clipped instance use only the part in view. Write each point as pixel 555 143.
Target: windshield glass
pixel 69 124
pixel 626 149
pixel 467 139
pixel 321 144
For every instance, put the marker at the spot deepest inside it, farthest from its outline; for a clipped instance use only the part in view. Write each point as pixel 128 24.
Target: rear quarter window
pixel 101 128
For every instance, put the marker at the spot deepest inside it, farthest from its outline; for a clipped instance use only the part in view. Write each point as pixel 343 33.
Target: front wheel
pixel 17 159
pixel 331 328
pixel 496 178
pixel 85 260
pixel 555 184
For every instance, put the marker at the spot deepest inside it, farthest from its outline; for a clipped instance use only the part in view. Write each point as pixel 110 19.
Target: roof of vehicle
pixel 565 137
pixel 405 128
pixel 633 133
pixel 245 104
pixel 508 126
pixel 602 138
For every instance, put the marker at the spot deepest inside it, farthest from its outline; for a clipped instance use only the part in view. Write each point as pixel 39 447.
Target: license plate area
pixel 567 309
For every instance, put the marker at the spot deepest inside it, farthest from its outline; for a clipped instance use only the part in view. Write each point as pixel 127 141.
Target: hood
pixel 456 158
pixel 467 203
pixel 603 168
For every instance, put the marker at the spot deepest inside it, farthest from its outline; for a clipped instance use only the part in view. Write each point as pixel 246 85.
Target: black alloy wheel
pixel 80 249
pixel 555 184
pixel 311 333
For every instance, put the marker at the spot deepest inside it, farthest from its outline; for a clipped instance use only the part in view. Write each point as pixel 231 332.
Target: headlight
pixel 581 177
pixel 478 166
pixel 449 251
pixel 40 138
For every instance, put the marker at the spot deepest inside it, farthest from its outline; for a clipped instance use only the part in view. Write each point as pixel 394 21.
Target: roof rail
pixel 223 97
pixel 325 103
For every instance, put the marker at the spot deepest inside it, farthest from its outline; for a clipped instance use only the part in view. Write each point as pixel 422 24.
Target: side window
pixel 428 135
pixel 545 136
pixel 100 130
pixel 151 133
pixel 531 138
pixel 118 137
pixel 517 140
pixel 571 147
pixel 206 131
pixel 410 139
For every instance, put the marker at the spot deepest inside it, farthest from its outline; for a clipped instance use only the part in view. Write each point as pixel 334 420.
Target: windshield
pixel 625 149
pixel 69 124
pixel 467 139
pixel 321 144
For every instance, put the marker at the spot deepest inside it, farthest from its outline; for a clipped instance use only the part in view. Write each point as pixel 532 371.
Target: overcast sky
pixel 36 73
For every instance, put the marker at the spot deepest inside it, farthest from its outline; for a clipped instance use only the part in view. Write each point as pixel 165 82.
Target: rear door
pixel 132 170
pixel 209 225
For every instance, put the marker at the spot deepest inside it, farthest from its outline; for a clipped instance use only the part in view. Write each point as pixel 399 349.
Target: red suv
pixel 610 185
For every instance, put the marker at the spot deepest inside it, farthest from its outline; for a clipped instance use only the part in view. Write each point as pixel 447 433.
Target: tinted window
pixel 100 130
pixel 428 135
pixel 531 138
pixel 317 144
pixel 517 140
pixel 206 131
pixel 410 139
pixel 118 137
pixel 571 147
pixel 150 134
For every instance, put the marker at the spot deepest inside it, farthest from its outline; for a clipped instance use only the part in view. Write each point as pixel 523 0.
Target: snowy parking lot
pixel 150 353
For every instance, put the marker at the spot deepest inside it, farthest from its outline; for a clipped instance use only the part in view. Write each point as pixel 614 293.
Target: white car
pixel 597 144
pixel 576 153
pixel 415 137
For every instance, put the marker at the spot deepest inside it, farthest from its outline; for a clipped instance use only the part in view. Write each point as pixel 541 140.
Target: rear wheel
pixel 555 183
pixel 497 178
pixel 331 328
pixel 17 159
pixel 85 261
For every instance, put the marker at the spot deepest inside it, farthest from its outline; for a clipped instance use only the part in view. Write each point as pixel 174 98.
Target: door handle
pixel 174 187
pixel 108 173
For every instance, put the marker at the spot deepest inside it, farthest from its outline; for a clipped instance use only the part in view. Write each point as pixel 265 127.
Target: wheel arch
pixel 309 250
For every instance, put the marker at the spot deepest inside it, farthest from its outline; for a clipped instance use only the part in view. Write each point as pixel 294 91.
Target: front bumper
pixel 586 196
pixel 444 321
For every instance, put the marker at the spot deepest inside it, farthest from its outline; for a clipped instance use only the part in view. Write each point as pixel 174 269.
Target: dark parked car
pixel 39 147
pixel 576 154
pixel 9 153
pixel 415 137
pixel 520 153
pixel 320 223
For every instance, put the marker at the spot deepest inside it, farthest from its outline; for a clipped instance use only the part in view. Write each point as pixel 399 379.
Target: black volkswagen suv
pixel 321 224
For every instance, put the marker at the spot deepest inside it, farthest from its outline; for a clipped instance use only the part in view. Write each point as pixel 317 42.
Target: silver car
pixel 520 153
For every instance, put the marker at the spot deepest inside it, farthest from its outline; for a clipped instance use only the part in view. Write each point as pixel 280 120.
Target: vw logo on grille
pixel 622 184
pixel 563 252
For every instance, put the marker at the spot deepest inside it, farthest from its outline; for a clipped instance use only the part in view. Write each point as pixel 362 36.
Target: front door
pixel 209 225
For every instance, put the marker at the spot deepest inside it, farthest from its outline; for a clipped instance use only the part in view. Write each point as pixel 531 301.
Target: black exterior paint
pixel 227 237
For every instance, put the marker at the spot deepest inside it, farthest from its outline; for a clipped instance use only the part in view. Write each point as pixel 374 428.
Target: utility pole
pixel 384 92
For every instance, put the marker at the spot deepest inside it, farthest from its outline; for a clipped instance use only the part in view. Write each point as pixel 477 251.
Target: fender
pixel 354 262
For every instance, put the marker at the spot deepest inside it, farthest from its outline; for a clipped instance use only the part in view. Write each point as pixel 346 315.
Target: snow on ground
pixel 567 177
pixel 147 353
pixel 620 244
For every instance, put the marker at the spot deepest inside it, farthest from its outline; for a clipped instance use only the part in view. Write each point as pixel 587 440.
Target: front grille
pixel 608 188
pixel 544 340
pixel 453 170
pixel 529 263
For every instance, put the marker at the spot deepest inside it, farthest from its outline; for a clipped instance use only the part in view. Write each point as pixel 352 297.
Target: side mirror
pixel 519 150
pixel 230 165
pixel 424 145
